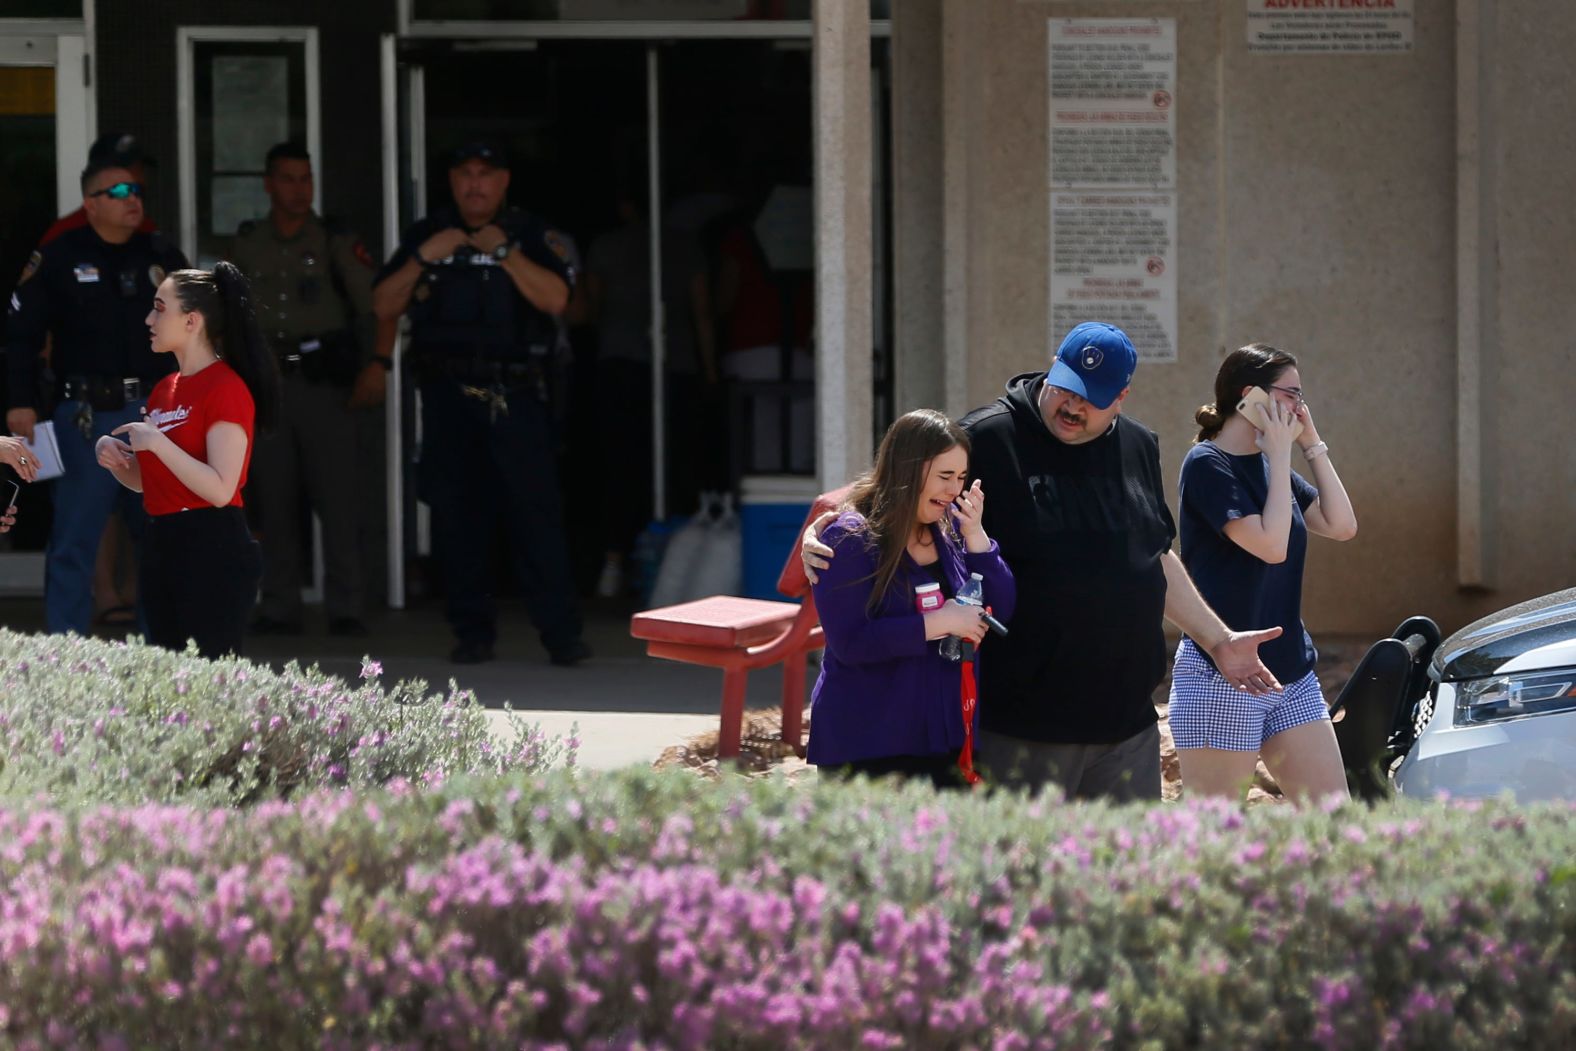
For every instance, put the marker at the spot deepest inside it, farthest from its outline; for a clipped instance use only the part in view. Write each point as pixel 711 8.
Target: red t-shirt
pixel 184 408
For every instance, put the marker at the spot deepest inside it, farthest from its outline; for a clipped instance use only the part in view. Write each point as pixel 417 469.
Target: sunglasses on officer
pixel 120 191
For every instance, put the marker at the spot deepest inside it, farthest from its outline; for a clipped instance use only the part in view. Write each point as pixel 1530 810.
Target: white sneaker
pixel 611 583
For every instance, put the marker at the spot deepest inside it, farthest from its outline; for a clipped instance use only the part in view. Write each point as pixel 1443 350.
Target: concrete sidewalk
pixel 612 740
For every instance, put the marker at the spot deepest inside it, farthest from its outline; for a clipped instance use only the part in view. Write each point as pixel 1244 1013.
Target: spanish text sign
pixel 1329 27
pixel 1113 81
pixel 1111 256
pixel 1112 179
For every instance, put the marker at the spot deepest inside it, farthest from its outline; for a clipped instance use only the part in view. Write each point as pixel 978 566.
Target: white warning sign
pixel 1112 179
pixel 1111 260
pixel 1329 27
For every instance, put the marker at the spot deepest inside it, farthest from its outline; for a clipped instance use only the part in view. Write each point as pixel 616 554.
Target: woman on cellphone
pixel 886 701
pixel 1245 520
pixel 189 457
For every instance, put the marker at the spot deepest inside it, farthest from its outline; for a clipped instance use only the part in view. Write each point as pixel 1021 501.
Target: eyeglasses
pixel 1062 392
pixel 120 191
pixel 1295 393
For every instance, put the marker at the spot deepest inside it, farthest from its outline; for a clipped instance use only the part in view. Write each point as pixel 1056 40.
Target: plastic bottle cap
pixel 927 587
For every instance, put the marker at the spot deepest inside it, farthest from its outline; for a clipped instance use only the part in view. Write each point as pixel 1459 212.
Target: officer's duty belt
pixel 291 353
pixel 105 393
pixel 481 371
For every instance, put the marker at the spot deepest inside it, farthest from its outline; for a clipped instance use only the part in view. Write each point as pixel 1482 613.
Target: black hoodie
pixel 1082 528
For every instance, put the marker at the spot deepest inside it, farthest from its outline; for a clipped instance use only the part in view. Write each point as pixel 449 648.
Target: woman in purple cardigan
pixel 887 702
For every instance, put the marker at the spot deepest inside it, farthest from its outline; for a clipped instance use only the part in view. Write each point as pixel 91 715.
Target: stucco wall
pixel 1317 201
pixel 1532 375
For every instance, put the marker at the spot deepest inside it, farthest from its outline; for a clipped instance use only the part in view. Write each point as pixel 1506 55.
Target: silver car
pixel 1499 714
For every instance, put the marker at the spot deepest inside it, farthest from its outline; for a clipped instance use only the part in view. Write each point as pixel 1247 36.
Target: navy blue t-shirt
pixel 1248 593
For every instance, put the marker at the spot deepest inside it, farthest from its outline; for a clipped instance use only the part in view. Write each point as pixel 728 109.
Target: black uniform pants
pixel 312 451
pixel 200 571
pixel 480 463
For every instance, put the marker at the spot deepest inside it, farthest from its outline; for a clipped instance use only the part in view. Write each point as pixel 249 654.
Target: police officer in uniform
pixel 482 284
pixel 312 288
pixel 89 292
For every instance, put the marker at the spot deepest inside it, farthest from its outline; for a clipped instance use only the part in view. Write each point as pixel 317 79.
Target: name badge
pixel 86 274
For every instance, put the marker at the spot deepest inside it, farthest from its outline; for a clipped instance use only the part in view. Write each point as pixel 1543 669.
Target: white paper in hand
pixel 45 450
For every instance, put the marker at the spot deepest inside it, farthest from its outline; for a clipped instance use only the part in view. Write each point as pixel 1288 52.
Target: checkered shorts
pixel 1208 712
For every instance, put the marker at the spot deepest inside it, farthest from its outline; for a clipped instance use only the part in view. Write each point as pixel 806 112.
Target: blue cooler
pixel 772 510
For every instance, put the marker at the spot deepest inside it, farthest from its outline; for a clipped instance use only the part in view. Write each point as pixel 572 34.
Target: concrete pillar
pixel 917 207
pixel 1476 269
pixel 957 149
pixel 843 298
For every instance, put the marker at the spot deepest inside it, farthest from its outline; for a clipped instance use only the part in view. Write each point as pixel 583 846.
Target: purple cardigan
pixel 883 690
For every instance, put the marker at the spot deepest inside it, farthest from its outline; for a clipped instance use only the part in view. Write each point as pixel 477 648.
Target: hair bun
pixel 1209 417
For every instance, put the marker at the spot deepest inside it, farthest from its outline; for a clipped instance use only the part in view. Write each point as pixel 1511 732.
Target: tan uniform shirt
pixel 294 282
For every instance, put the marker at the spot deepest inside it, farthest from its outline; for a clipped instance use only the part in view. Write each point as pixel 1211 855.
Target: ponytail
pixel 243 347
pixel 224 299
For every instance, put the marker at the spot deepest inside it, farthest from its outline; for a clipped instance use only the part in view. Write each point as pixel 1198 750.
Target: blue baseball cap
pixel 487 151
pixel 1096 362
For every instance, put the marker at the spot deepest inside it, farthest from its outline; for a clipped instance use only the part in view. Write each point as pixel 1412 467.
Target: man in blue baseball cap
pixel 1077 504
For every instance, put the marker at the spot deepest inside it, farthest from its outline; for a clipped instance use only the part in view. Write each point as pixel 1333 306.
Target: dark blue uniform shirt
pixel 93 297
pixel 467 305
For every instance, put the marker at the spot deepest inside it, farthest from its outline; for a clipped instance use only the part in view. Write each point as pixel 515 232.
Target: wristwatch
pixel 502 251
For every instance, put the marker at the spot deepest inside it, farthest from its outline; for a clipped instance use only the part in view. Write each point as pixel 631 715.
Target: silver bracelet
pixel 1316 450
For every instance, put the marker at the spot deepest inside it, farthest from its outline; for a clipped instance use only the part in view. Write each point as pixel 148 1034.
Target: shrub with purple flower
pixel 654 910
pixel 93 721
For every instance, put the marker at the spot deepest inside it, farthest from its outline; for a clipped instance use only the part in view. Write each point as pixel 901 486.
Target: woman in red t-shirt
pixel 188 457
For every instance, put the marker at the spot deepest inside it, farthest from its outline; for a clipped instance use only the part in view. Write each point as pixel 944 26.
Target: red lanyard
pixel 970 702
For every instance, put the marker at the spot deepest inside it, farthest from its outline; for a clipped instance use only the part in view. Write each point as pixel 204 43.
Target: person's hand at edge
pixel 814 554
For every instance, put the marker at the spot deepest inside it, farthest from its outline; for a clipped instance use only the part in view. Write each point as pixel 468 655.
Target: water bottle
pixel 972 593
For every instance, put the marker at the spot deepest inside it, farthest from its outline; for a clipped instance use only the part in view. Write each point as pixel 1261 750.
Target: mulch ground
pixel 764 753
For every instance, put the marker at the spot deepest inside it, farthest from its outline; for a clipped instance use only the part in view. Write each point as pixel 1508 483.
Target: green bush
pixel 657 910
pixel 115 722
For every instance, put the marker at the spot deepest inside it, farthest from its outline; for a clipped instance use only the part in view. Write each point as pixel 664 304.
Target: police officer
pixel 122 150
pixel 89 292
pixel 312 287
pixel 483 283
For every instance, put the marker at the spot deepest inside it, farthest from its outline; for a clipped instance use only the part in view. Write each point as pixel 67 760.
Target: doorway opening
pixel 731 175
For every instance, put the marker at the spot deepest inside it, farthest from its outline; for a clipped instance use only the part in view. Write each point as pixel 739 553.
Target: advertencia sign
pixel 1329 27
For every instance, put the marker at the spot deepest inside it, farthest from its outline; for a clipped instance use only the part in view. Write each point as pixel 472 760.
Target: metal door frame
pixel 65 45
